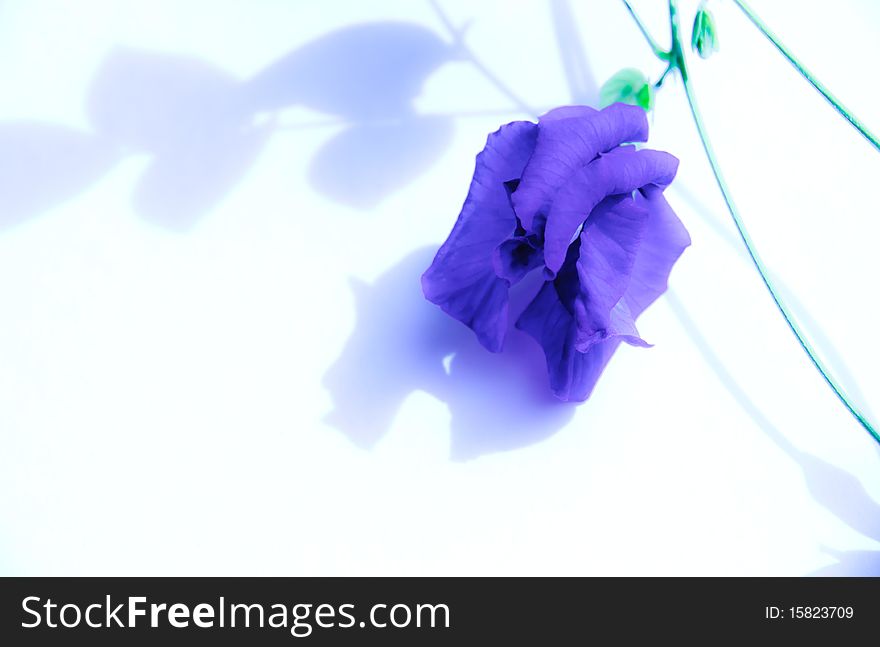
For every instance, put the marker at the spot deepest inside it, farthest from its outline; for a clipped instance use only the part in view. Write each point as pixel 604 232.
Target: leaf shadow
pixel 366 162
pixel 202 128
pixel 369 76
pixel 43 165
pixel 846 498
pixel 187 115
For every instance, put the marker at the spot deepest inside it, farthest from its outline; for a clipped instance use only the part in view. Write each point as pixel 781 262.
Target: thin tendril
pixel 762 270
pixel 677 61
pixel 825 92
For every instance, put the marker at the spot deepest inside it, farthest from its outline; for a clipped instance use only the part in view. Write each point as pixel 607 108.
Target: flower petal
pixel 549 320
pixel 516 257
pixel 462 278
pixel 609 246
pixel 568 139
pixel 623 326
pixel 664 240
pixel 621 171
pixel 556 317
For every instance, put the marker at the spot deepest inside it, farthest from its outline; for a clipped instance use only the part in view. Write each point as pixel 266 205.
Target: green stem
pixel 659 83
pixel 659 52
pixel 677 60
pixel 825 92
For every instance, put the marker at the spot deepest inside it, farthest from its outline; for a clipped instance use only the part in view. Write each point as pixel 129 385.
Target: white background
pixel 211 395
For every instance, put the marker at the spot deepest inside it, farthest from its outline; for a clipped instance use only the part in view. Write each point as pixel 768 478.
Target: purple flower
pixel 569 196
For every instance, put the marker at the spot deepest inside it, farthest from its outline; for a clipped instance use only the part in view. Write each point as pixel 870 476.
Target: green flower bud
pixel 704 39
pixel 629 85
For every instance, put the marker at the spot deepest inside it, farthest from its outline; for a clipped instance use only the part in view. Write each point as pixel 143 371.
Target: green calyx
pixel 629 85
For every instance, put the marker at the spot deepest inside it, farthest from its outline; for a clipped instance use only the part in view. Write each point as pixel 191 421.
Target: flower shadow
pixel 403 344
pixel 202 128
